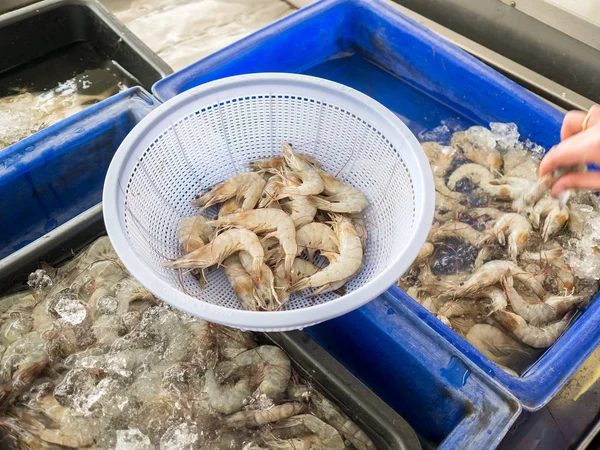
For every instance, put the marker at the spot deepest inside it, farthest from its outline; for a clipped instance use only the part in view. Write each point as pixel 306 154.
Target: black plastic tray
pixel 384 426
pixel 44 27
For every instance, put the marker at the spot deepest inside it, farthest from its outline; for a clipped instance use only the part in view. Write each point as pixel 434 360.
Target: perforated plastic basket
pixel 211 132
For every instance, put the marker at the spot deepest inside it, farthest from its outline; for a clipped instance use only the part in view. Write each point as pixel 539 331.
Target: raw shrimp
pixel 301 269
pixel 226 399
pixel 496 296
pixel 556 217
pixel 301 210
pixel 229 207
pixel 460 231
pixel 265 288
pixel 222 246
pixel 543 312
pixel 491 273
pixel 325 410
pixel 554 258
pixel 475 173
pixel 278 223
pixel 446 208
pixel 312 183
pixel 270 362
pixel 278 162
pixel 242 284
pixel 360 223
pixel 424 254
pixel 507 190
pixel 271 191
pixel 440 157
pixel 247 186
pixel 529 334
pixel 193 233
pixel 532 195
pixel 316 236
pixel 322 436
pixel 256 418
pixel 516 229
pixel 438 285
pixel 478 145
pixel 340 197
pixel 498 346
pixel 341 267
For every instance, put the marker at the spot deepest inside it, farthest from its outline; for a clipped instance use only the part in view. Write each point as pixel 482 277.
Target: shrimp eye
pixel 461 284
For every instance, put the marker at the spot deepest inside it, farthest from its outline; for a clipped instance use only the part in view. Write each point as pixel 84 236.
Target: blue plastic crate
pixel 424 80
pixel 57 173
pixel 449 402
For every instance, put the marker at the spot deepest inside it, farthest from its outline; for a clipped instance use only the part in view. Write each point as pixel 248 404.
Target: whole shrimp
pixel 497 346
pixel 312 183
pixel 555 215
pixel 301 209
pixel 320 435
pixel 246 185
pixel 226 399
pixel 440 157
pixel 458 230
pixel 528 334
pixel 516 229
pixel 265 287
pixel 339 196
pixel 543 312
pixel 325 410
pixel 552 257
pixel 270 361
pixel 475 173
pixel 531 196
pixel 443 190
pixel 341 267
pixel 222 246
pixel 193 233
pixel 278 223
pixel 478 145
pixel 242 284
pixel 506 189
pixel 491 273
pixel 316 236
pixel 257 418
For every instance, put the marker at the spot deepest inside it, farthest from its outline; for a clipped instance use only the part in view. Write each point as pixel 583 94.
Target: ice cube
pixel 506 135
pixel 70 310
pixel 179 437
pixel 132 439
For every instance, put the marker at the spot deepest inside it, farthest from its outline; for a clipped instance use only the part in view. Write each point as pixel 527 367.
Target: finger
pixel 581 148
pixel 572 124
pixel 579 180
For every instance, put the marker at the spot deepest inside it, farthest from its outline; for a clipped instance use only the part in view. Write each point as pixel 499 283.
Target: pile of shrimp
pixel 90 359
pixel 284 209
pixel 495 267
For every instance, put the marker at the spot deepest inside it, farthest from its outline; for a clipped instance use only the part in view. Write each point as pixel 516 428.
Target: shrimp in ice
pixel 507 189
pixel 339 197
pixel 478 145
pixel 552 258
pixel 515 229
pixel 528 334
pixel 316 236
pixel 475 173
pixel 443 190
pixel 222 246
pixel 269 362
pixel 491 273
pixel 193 233
pixel 556 217
pixel 440 157
pixel 460 231
pixel 257 418
pixel 313 432
pixel 341 267
pixel 540 313
pixel 277 223
pixel 226 399
pixel 311 182
pixel 247 186
pixel 538 190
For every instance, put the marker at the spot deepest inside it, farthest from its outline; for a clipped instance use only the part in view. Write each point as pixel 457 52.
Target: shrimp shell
pixel 528 334
pixel 222 246
pixel 516 229
pixel 312 183
pixel 476 173
pixel 246 185
pixel 279 224
pixel 193 233
pixel 316 236
pixel 257 418
pixel 339 196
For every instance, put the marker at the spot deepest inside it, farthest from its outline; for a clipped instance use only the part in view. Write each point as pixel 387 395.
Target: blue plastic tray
pixel 57 173
pixel 424 80
pixel 447 400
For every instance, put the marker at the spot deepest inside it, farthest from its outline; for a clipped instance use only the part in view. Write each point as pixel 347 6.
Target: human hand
pixel 580 144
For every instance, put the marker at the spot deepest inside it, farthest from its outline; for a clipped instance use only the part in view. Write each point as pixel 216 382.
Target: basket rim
pixel 264 320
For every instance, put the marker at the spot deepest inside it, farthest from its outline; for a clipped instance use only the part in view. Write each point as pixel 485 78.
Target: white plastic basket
pixel 209 133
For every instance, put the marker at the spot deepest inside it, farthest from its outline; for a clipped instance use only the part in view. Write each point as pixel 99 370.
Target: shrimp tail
pixel 288 263
pixel 300 285
pixel 321 203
